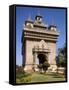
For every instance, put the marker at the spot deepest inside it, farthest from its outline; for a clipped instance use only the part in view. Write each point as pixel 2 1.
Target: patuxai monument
pixel 38 44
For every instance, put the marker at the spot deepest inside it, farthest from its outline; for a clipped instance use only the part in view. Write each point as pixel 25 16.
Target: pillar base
pixel 36 68
pixel 32 68
pixel 28 68
pixel 52 68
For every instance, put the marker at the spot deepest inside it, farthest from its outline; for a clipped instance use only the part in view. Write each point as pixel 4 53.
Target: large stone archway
pixel 38 38
pixel 39 57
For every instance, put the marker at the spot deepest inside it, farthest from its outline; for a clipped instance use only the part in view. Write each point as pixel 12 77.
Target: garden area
pixel 36 77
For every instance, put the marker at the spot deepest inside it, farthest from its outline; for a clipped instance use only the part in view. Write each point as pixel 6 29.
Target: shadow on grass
pixel 54 75
pixel 38 77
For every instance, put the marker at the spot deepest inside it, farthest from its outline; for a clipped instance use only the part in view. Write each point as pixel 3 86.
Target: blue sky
pixel 57 16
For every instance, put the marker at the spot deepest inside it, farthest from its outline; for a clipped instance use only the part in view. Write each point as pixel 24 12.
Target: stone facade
pixel 38 41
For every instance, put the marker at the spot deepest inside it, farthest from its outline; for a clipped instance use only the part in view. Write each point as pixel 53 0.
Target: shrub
pixel 40 67
pixel 20 70
pixel 23 77
pixel 26 79
pixel 45 66
pixel 18 81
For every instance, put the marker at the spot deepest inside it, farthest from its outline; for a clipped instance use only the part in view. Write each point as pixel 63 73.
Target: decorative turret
pixel 38 18
pixel 39 22
pixel 52 27
pixel 29 23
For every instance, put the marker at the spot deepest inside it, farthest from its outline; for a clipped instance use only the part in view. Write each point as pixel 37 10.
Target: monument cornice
pixel 44 31
pixel 46 35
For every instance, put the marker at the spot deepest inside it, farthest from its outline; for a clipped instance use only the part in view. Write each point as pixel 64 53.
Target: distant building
pixel 38 43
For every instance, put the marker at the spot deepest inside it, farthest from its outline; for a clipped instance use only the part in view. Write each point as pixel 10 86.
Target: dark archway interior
pixel 42 58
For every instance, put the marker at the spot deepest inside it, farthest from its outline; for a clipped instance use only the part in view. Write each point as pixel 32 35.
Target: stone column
pixel 35 61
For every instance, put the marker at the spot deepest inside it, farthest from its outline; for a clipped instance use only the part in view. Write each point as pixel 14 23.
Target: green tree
pixel 45 66
pixel 61 58
pixel 40 67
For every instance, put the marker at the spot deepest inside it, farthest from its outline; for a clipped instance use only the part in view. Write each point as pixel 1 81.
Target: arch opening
pixel 42 58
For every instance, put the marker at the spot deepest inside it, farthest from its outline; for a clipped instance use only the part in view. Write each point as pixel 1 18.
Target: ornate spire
pixel 38 18
pixel 29 18
pixel 38 13
pixel 52 26
pixel 53 22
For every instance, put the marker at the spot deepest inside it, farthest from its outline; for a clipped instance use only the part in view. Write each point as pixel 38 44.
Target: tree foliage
pixel 40 67
pixel 44 66
pixel 61 58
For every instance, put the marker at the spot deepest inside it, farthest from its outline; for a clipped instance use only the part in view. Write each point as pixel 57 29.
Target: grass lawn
pixel 38 77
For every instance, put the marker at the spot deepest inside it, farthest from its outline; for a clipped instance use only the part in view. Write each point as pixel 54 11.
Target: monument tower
pixel 38 43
